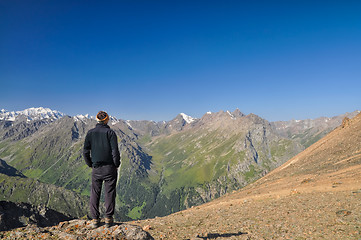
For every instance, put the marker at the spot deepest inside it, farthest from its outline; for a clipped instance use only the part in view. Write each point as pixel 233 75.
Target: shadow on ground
pixel 217 235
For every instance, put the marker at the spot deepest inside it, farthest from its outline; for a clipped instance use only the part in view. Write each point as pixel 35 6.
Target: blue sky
pixel 151 60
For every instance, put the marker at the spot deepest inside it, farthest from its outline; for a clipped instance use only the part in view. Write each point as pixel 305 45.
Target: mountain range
pixel 314 195
pixel 31 114
pixel 166 166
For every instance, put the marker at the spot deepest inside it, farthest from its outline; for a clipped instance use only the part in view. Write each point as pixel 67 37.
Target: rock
pixel 147 228
pixel 67 236
pixel 345 122
pixel 294 192
pixel 79 229
pixel 307 180
pixel 343 213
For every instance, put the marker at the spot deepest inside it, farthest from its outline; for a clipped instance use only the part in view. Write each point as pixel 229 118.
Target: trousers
pixel 108 175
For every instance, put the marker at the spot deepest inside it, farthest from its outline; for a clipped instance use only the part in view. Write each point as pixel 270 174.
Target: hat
pixel 102 116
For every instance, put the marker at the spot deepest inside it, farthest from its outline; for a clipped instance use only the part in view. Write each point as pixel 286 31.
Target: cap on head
pixel 102 117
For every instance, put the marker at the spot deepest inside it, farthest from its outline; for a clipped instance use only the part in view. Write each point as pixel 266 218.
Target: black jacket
pixel 102 143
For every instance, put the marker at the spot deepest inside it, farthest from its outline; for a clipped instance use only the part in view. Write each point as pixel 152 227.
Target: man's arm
pixel 115 150
pixel 86 151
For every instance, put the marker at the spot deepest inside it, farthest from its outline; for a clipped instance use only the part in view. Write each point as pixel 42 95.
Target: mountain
pixel 148 129
pixel 314 195
pixel 166 166
pixel 218 154
pixel 310 131
pixel 188 118
pixel 31 114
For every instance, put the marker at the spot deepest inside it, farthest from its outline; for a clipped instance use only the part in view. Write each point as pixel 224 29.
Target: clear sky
pixel 151 60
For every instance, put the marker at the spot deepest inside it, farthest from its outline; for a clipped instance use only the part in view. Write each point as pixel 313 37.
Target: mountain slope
pixel 218 154
pixel 14 186
pixel 336 156
pixel 315 195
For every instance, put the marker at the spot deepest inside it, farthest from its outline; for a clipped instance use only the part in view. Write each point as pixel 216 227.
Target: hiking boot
pixel 95 223
pixel 109 221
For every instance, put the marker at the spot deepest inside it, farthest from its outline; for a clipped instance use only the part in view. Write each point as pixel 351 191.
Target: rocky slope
pixel 314 195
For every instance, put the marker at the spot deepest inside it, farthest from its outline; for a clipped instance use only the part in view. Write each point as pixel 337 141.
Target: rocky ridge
pixel 23 221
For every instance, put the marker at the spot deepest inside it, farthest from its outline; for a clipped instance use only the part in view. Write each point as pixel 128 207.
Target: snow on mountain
pixel 45 113
pixel 6 115
pixel 187 118
pixel 31 114
pixel 81 117
pixel 128 123
pixel 231 115
pixel 113 120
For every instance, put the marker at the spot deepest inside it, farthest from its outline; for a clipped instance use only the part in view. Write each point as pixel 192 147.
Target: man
pixel 102 155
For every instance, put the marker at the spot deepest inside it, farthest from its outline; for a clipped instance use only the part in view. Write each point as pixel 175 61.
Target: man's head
pixel 103 117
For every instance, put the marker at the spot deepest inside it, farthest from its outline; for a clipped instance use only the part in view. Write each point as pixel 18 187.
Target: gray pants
pixel 108 174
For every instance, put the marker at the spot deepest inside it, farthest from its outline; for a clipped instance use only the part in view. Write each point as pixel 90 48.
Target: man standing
pixel 102 155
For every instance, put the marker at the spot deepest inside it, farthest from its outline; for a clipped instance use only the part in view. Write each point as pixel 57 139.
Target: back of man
pixel 102 155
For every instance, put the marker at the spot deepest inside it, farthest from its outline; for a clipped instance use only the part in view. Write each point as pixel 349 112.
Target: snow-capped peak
pixel 31 114
pixel 187 118
pixel 81 117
